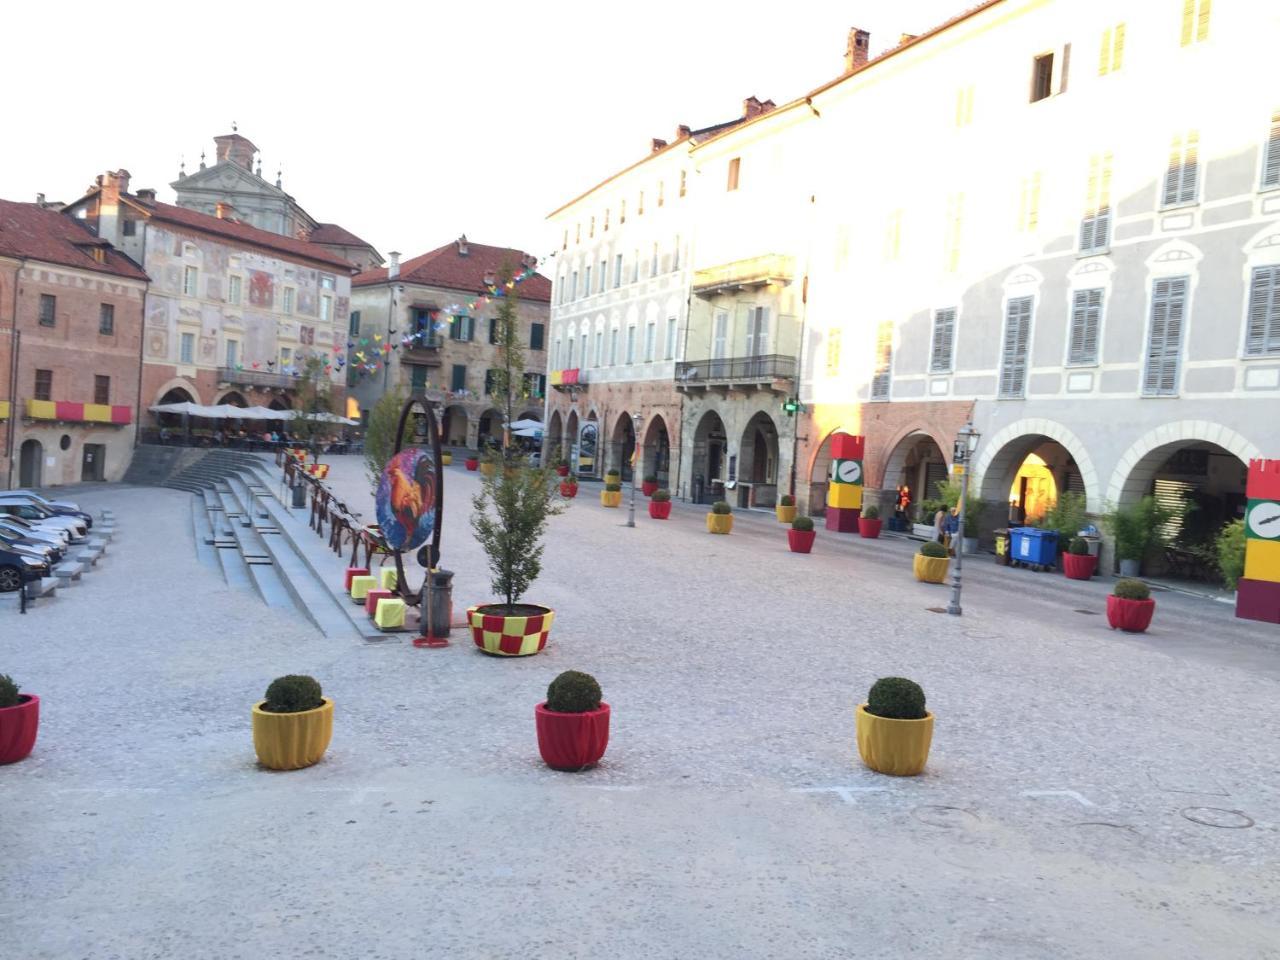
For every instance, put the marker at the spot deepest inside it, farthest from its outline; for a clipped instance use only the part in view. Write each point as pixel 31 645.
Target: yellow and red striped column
pixel 844 486
pixel 1258 591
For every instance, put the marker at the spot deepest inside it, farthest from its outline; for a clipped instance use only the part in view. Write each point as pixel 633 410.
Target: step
pixel 88 557
pixel 68 571
pixel 234 569
pixel 46 587
pixel 206 552
pixel 97 543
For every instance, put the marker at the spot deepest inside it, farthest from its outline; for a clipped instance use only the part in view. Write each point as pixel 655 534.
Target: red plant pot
pixel 572 741
pixel 648 489
pixel 1133 616
pixel 473 464
pixel 563 470
pixel 18 726
pixel 869 528
pixel 659 509
pixel 568 490
pixel 801 541
pixel 1079 566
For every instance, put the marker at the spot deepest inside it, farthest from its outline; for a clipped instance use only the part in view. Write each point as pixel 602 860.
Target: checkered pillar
pixel 1258 592
pixel 844 487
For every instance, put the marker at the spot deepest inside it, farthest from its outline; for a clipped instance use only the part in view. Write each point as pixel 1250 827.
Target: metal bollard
pixel 436 608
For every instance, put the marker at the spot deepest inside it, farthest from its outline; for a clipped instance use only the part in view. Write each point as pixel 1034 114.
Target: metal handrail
pixel 768 367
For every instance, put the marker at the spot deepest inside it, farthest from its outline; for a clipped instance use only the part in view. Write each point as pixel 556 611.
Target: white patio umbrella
pixel 526 424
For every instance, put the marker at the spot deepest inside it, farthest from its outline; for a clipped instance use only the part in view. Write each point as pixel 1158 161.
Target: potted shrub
pixel 293 725
pixel 869 522
pixel 720 519
pixel 1229 545
pixel 649 485
pixel 894 728
pixel 19 721
pixel 561 465
pixel 489 465
pixel 1137 529
pixel 613 476
pixel 931 563
pixel 800 536
pixel 786 508
pixel 446 457
pixel 611 495
pixel 974 508
pixel 660 504
pixel 1130 606
pixel 472 462
pixel 573 722
pixel 1077 562
pixel 569 487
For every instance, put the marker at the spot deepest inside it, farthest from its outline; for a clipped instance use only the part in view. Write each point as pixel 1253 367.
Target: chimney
pixel 767 106
pixel 683 131
pixel 146 194
pixel 113 183
pixel 237 149
pixel 656 144
pixel 393 264
pixel 40 200
pixel 751 107
pixel 855 55
pixel 463 250
pixel 907 38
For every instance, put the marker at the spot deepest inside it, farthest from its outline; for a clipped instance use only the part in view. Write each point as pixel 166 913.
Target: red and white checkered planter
pixel 510 636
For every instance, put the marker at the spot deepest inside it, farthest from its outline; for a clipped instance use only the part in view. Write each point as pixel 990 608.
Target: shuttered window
pixel 1263 336
pixel 944 333
pixel 1195 21
pixel 1112 56
pixel 1095 228
pixel 1086 319
pixel 1271 160
pixel 833 352
pixel 1017 342
pixel 880 382
pixel 1182 176
pixel 1164 345
pixel 955 217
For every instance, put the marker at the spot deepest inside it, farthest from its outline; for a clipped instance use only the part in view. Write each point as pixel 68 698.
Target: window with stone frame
pixel 101 389
pixel 44 385
pixel 107 319
pixel 48 310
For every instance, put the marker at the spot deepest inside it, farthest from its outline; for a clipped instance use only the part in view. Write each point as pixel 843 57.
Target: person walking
pixel 940 525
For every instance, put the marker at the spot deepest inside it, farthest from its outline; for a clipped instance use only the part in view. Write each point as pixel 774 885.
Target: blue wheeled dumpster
pixel 1033 547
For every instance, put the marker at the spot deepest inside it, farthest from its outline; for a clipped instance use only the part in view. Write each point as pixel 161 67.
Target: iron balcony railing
pixel 736 369
pixel 256 378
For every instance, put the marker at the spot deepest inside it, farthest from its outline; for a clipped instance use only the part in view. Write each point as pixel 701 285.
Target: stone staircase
pixel 184 468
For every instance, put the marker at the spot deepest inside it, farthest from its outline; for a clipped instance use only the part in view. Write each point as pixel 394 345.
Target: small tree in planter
pixel 573 722
pixel 800 536
pixel 293 725
pixel 19 721
pixel 660 504
pixel 869 522
pixel 894 729
pixel 974 508
pixel 720 519
pixel 1077 562
pixel 930 565
pixel 569 487
pixel 1130 606
pixel 1138 529
pixel 380 435
pixel 611 495
pixel 613 476
pixel 649 485
pixel 786 508
pixel 561 464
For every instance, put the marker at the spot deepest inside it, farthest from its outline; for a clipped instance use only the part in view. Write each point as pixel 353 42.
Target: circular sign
pixel 406 501
pixel 848 471
pixel 1264 519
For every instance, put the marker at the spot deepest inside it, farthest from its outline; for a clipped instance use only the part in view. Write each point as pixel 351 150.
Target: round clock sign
pixel 1264 520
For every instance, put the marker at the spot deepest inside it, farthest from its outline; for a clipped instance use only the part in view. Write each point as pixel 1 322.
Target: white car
pixel 21 528
pixel 38 515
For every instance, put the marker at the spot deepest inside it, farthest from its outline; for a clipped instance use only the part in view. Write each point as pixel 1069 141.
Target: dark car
pixel 9 540
pixel 17 569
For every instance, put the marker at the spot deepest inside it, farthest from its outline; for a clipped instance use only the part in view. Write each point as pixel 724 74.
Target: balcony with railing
pixel 752 272
pixel 422 348
pixel 773 371
pixel 256 378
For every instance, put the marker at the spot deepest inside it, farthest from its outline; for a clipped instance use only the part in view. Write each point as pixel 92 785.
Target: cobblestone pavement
pixel 1088 793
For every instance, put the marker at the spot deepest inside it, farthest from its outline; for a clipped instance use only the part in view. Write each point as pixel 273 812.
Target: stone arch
pixel 454 423
pixel 1000 455
pixel 555 433
pixel 889 465
pixel 1136 469
pixel 231 397
pixel 178 383
pixel 710 453
pixel 655 450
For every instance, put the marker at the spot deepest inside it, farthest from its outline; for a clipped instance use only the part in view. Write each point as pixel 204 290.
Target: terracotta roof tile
pixel 447 267
pixel 339 236
pixel 31 231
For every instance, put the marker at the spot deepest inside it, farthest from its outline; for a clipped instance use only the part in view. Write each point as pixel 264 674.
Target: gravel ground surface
pixel 1088 793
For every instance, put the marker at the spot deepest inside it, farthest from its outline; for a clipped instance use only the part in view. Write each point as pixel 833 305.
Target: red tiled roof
pixel 31 231
pixel 241 233
pixel 339 236
pixel 446 267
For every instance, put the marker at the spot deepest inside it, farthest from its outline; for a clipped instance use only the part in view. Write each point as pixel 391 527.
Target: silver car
pixel 27 510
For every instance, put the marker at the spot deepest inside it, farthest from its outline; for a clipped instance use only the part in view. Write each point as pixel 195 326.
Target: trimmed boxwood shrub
pixel 870 513
pixel 661 496
pixel 569 481
pixel 573 692
pixel 293 694
pixel 613 473
pixel 8 691
pixel 1078 547
pixel 1128 589
pixel 931 548
pixel 802 523
pixel 613 487
pixel 896 698
pixel 721 508
pixel 786 500
pixel 650 478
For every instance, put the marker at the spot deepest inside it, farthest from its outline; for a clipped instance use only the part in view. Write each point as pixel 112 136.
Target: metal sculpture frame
pixel 414 597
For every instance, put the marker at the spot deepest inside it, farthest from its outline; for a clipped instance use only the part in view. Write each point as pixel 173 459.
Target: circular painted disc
pixel 406 501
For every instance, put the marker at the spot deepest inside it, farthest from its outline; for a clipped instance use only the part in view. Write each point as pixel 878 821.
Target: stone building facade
pixel 71 312
pixel 413 329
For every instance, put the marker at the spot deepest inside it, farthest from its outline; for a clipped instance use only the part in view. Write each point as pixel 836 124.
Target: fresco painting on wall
pixel 262 288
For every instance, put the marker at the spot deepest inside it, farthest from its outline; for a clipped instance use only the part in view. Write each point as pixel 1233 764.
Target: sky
pixel 408 124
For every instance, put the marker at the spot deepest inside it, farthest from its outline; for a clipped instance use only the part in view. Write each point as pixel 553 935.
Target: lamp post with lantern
pixel 966 446
pixel 635 462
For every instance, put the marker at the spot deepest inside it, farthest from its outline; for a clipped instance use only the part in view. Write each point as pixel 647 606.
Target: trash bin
pixel 437 604
pixel 1035 547
pixel 1002 547
pixel 299 494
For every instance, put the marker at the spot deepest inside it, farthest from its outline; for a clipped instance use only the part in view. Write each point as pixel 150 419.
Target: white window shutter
pixel 944 325
pixel 1271 166
pixel 1017 340
pixel 1164 346
pixel 1263 334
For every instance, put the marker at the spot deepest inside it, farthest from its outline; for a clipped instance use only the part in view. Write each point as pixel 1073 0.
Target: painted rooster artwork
pixel 406 502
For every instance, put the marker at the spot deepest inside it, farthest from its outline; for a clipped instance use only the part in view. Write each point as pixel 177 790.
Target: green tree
pixel 1230 546
pixel 1140 527
pixel 312 402
pixel 380 434
pixel 1068 515
pixel 949 490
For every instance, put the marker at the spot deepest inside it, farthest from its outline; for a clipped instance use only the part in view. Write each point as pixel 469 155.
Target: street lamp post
pixel 965 447
pixel 635 462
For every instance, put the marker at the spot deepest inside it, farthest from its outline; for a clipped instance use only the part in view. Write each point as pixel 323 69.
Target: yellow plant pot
pixel 446 458
pixel 896 747
pixel 719 522
pixel 785 514
pixel 488 469
pixel 611 498
pixel 931 569
pixel 291 741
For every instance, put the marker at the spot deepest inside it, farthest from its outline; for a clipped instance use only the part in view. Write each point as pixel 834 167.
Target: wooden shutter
pixel 1086 313
pixel 1271 165
pixel 1181 179
pixel 944 330
pixel 1017 341
pixel 1117 48
pixel 717 348
pixel 1164 345
pixel 1263 335
pixel 1202 22
pixel 884 362
pixel 1188 21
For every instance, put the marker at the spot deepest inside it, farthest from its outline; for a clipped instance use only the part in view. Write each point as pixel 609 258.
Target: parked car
pixel 57 536
pixel 30 510
pixel 19 544
pixel 63 508
pixel 17 569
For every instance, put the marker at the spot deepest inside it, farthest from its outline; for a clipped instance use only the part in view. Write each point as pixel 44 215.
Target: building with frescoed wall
pixel 71 310
pixel 233 312
pixel 426 328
